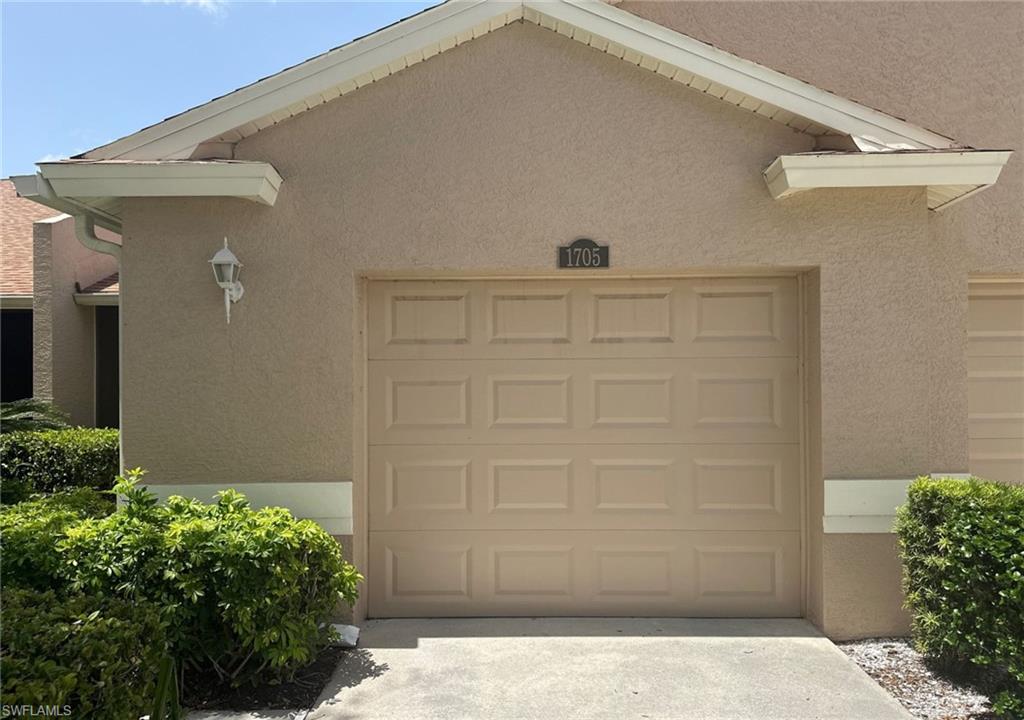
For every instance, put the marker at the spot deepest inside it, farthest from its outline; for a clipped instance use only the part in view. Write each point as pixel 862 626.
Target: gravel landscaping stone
pixel 896 666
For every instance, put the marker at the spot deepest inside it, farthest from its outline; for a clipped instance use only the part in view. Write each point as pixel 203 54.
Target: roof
pixel 210 131
pixel 704 67
pixel 107 286
pixel 16 218
pixel 102 292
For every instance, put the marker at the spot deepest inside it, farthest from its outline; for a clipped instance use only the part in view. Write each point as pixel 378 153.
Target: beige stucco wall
pixel 953 67
pixel 484 159
pixel 63 333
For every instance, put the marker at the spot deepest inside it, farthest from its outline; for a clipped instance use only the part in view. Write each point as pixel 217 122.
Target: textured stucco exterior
pixel 953 67
pixel 482 160
pixel 63 332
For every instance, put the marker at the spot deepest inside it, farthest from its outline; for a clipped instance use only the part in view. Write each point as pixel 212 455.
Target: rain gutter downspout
pixel 85 225
pixel 85 231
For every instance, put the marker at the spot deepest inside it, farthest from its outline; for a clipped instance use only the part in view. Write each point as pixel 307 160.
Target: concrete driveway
pixel 562 668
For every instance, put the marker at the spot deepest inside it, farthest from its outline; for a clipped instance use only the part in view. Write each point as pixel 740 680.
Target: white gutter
pixel 38 189
pixel 16 302
pixel 85 231
pixel 948 175
pixel 98 299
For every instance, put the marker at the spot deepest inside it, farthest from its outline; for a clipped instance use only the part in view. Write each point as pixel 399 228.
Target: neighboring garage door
pixel 584 447
pixel 995 366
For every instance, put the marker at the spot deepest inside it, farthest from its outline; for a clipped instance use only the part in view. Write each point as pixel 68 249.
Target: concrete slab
pixel 597 668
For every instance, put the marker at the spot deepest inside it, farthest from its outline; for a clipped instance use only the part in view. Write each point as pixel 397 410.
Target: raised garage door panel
pixel 565 572
pixel 995 380
pixel 579 487
pixel 601 447
pixel 555 401
pixel 502 319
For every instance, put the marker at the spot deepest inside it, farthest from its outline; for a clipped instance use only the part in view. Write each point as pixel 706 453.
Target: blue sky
pixel 79 74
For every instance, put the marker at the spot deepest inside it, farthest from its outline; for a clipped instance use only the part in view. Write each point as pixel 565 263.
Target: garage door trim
pixel 361 435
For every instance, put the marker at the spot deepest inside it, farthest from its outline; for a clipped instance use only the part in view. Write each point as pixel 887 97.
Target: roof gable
pixel 203 130
pixel 183 155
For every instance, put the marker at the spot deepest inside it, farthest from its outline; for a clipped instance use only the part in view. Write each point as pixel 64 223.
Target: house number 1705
pixel 583 253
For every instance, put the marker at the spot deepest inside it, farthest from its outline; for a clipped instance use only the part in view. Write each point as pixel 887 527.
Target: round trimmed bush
pixel 47 461
pixel 245 594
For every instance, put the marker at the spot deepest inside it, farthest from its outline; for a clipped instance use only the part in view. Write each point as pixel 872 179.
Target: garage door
pixel 995 367
pixel 619 447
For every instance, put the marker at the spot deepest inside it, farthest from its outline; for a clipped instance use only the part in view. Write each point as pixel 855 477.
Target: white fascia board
pixel 35 188
pixel 255 181
pixel 744 76
pixel 178 136
pixel 790 174
pixel 16 302
pixel 98 299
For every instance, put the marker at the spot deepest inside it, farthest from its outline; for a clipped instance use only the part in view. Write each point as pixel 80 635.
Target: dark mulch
pixel 205 693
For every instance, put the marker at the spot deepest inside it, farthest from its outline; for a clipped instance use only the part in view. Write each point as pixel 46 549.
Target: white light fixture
pixel 226 270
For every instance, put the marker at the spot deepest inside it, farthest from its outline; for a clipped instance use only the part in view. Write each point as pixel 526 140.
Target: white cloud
pixel 208 7
pixel 50 157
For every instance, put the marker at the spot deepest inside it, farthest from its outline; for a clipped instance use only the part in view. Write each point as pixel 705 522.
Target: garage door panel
pixel 995 319
pixel 563 401
pixel 584 447
pixel 725 487
pixel 583 573
pixel 694 317
pixel 995 397
pixel 995 380
pixel 1000 459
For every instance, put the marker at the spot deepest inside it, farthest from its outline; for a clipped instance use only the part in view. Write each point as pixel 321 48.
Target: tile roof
pixel 16 218
pixel 107 286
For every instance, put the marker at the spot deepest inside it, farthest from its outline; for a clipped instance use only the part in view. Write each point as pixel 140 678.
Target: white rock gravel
pixel 896 666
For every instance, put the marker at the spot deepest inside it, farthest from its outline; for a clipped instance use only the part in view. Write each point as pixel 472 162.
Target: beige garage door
pixel 619 447
pixel 995 367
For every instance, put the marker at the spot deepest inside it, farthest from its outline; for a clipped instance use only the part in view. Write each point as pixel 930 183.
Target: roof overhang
pixel 98 299
pixel 97 186
pixel 950 176
pixel 15 301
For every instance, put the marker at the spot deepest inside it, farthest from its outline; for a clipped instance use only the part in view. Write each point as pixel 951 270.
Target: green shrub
pixel 962 544
pixel 30 414
pixel 246 594
pixel 51 460
pixel 91 657
pixel 31 531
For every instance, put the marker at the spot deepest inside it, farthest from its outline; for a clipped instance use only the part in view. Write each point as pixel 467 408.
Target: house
pixel 575 308
pixel 59 302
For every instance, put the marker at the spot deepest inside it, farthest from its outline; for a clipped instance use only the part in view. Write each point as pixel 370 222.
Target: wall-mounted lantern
pixel 226 269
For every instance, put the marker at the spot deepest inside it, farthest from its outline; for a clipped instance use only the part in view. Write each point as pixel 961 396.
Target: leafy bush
pixel 92 657
pixel 30 533
pixel 30 414
pixel 962 544
pixel 51 460
pixel 246 594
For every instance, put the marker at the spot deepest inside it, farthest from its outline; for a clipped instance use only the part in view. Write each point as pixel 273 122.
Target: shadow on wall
pixel 407 632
